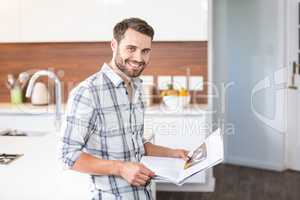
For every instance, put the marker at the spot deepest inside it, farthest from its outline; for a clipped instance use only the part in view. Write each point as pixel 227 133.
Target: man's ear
pixel 113 44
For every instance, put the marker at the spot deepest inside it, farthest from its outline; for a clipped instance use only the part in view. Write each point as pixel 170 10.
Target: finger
pixel 184 155
pixel 186 152
pixel 147 171
pixel 181 154
pixel 143 177
pixel 139 181
pixel 183 151
pixel 135 183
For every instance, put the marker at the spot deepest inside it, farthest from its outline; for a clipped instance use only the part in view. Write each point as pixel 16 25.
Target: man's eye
pixel 146 51
pixel 131 49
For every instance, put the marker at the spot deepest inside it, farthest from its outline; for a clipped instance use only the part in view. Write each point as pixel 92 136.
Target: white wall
pixel 249 48
pixel 93 20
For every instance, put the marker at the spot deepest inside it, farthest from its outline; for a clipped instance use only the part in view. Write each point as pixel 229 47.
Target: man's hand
pixel 156 150
pixel 135 173
pixel 180 153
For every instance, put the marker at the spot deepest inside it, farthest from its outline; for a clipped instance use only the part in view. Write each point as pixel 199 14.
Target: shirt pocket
pixel 110 120
pixel 113 133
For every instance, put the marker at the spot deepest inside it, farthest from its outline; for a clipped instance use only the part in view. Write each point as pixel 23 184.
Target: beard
pixel 123 66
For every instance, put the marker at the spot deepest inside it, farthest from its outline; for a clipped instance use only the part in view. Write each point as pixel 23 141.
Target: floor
pixel 243 183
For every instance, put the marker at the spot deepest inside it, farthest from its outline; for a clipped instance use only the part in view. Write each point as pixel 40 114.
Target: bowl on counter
pixel 176 102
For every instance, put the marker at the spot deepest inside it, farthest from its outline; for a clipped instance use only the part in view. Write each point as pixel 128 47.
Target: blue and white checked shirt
pixel 100 120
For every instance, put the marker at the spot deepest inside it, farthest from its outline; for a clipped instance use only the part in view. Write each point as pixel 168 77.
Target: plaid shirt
pixel 100 120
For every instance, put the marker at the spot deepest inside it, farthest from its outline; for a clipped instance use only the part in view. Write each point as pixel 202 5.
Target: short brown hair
pixel 136 24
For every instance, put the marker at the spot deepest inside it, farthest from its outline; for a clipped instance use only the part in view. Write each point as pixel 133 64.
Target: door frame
pixel 290 57
pixel 210 57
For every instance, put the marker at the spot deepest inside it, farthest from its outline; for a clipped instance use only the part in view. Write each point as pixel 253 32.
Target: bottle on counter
pixel 16 95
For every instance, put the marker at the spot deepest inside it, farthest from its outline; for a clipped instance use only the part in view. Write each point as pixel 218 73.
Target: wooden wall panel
pixel 73 62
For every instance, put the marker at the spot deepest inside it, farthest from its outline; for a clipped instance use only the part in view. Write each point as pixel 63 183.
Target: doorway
pixel 293 93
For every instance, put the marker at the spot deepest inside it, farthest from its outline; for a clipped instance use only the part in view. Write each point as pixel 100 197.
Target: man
pixel 104 125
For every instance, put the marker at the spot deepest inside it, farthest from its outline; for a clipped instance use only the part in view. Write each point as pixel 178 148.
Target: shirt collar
pixel 116 79
pixel 113 77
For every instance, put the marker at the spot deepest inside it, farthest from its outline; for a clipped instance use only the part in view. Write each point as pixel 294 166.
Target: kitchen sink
pixel 20 133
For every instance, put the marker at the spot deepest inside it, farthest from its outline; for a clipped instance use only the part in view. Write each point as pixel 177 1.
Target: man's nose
pixel 137 56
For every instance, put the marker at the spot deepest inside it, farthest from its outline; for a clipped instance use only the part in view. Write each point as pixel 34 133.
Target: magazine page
pixel 163 167
pixel 208 154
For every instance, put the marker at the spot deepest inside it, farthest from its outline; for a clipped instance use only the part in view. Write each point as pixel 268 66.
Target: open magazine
pixel 177 171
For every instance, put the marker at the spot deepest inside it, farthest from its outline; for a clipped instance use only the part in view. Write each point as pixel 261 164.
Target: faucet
pixel 58 98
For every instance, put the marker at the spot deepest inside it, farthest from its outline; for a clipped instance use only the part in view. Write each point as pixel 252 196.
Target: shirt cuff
pixel 69 161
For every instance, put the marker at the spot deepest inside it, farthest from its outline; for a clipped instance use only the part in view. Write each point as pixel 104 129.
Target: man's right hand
pixel 135 173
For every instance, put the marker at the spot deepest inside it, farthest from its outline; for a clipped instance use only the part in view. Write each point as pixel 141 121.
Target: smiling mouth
pixel 135 64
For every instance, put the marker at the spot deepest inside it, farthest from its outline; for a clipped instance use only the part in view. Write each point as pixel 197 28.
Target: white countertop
pixel 28 109
pixel 192 109
pixel 37 175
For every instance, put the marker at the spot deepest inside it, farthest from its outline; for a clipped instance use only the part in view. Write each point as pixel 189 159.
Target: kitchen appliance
pixel 6 159
pixel 40 94
pixel 58 98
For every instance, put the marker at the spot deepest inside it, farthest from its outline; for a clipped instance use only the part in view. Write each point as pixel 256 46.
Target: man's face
pixel 132 53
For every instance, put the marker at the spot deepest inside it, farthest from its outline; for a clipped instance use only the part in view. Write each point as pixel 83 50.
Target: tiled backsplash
pixel 73 62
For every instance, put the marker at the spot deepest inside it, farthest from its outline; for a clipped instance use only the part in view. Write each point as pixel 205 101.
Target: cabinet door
pixel 64 20
pixel 9 20
pixel 177 132
pixel 28 122
pixel 93 20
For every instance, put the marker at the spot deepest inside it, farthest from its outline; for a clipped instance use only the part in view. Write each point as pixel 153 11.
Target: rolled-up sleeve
pixel 78 124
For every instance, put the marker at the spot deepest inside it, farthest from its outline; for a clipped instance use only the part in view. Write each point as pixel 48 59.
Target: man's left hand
pixel 180 153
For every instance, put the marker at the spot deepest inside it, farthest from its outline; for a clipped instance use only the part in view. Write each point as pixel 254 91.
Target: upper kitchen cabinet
pixel 63 20
pixel 93 20
pixel 9 20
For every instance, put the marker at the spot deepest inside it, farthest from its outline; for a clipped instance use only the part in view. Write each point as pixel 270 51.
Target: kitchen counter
pixel 37 175
pixel 29 109
pixel 192 109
